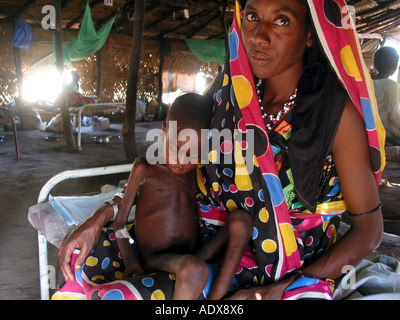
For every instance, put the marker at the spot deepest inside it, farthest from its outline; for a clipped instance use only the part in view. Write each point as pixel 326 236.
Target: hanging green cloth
pixel 208 50
pixel 89 40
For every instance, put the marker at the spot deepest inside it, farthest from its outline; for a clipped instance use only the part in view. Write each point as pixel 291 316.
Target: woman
pixel 317 138
pixel 278 88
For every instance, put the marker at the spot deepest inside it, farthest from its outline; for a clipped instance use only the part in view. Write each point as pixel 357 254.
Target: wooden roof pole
pixel 160 69
pixel 98 73
pixel 183 24
pixel 128 128
pixel 18 69
pixel 225 31
pixel 16 50
pixel 69 136
pixel 22 9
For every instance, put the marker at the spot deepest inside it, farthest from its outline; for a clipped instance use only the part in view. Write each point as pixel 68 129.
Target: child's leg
pixel 191 273
pixel 239 226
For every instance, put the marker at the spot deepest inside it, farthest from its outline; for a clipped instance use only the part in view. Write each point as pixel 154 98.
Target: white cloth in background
pixel 387 93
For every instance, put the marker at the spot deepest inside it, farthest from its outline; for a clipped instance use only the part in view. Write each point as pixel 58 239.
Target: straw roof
pixel 171 20
pixel 164 18
pixel 178 19
pixel 378 16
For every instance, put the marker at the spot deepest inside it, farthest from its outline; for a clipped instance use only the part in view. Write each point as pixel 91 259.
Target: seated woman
pixel 296 132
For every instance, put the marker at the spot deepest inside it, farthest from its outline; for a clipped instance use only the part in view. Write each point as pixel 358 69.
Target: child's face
pixel 182 153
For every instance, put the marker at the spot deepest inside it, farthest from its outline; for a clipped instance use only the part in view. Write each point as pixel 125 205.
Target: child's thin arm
pixel 131 262
pixel 239 226
pixel 135 178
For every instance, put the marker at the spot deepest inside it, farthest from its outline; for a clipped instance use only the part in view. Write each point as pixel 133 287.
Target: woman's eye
pixel 282 21
pixel 251 17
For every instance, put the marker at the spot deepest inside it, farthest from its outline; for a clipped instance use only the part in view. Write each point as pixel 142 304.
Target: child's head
pixel 386 60
pixel 188 114
pixel 191 110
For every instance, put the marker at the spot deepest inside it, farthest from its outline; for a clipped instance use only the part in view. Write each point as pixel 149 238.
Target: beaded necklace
pixel 274 118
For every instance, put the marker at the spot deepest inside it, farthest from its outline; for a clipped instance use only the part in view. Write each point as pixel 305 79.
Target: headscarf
pixel 320 104
pixel 338 37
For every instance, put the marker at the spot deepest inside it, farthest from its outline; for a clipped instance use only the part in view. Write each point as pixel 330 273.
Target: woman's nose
pixel 262 34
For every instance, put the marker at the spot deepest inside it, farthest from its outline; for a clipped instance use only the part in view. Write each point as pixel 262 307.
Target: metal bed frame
pixel 43 197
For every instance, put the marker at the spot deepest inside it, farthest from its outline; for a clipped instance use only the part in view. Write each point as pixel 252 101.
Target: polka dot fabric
pixel 339 40
pixel 100 278
pixel 285 235
pixel 237 108
pixel 255 177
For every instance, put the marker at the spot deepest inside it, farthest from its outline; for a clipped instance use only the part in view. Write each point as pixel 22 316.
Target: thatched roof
pixel 164 18
pixel 378 16
pixel 167 18
pixel 172 20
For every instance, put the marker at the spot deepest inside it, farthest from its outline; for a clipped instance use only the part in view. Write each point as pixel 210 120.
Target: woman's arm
pixel 84 237
pixel 352 160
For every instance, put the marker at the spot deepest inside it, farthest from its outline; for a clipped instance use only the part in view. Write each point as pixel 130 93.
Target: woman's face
pixel 275 36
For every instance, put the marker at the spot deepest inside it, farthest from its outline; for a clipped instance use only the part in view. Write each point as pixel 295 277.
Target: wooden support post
pixel 98 80
pixel 18 70
pixel 128 129
pixel 18 65
pixel 14 126
pixel 64 99
pixel 160 70
pixel 222 18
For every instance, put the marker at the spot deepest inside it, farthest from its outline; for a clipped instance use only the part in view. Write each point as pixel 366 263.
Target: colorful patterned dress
pixel 286 178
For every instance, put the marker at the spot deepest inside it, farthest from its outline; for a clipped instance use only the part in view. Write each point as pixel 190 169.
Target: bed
pixel 376 277
pixel 8 118
pixel 50 110
pixel 52 225
pixel 94 109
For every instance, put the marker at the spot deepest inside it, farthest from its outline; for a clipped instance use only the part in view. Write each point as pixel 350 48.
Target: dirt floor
pixel 41 158
pixel 21 181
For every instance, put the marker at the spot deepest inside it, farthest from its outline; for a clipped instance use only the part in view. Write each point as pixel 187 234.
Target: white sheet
pixel 76 209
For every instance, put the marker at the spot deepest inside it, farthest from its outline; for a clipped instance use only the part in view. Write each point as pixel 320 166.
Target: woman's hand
pixel 83 237
pixel 271 292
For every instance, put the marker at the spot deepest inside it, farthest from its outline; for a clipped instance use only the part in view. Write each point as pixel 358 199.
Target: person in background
pixel 387 92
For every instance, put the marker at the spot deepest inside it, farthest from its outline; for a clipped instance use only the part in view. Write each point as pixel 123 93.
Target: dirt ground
pixel 41 158
pixel 21 181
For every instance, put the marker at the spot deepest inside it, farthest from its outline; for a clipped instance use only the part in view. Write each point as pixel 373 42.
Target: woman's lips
pixel 259 57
